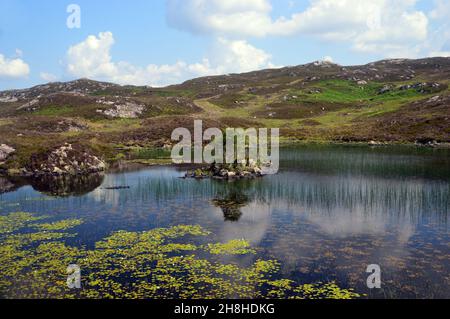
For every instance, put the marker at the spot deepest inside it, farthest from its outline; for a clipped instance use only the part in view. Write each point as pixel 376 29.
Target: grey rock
pixel 5 151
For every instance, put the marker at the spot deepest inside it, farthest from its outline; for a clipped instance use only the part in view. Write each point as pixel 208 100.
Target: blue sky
pixel 162 42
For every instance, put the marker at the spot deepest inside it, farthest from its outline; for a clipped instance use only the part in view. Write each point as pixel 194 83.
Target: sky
pixel 163 42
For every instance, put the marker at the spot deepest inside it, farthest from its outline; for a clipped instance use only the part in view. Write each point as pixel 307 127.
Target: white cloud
pixel 239 56
pixel 441 10
pixel 444 54
pixel 438 43
pixel 13 68
pixel 92 56
pixel 92 59
pixel 48 77
pixel 374 26
pixel 246 18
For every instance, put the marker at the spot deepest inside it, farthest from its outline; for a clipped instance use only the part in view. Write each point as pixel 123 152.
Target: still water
pixel 329 213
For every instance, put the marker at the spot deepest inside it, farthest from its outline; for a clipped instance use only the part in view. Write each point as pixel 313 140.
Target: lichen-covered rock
pixel 66 160
pixel 129 110
pixel 5 152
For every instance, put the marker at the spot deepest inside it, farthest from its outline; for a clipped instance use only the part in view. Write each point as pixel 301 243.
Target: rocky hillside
pixel 385 101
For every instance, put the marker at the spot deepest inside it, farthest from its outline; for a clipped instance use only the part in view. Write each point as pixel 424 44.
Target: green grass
pixel 54 111
pixel 346 92
pixel 150 154
pixel 229 100
pixel 173 93
pixel 114 125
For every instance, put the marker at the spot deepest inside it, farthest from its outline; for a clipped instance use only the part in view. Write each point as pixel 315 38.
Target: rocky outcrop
pixel 5 152
pixel 65 160
pixel 248 170
pixel 126 110
pixel 385 89
pixel 424 88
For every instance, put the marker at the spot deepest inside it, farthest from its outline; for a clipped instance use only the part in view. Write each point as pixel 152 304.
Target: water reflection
pixel 328 214
pixel 231 204
pixel 8 185
pixel 66 185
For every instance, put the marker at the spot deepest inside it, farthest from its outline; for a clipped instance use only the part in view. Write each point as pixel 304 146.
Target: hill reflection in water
pixel 329 213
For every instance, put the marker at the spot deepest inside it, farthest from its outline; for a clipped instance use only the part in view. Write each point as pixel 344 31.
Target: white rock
pixel 434 99
pixel 5 151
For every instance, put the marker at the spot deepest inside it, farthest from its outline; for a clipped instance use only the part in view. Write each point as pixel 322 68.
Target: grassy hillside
pixel 397 101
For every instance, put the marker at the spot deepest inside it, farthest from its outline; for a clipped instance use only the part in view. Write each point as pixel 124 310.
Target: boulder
pixel 67 159
pixel 257 171
pixel 5 152
pixel 128 110
pixel 434 99
pixel 385 89
pixel 231 174
pixel 223 173
pixel 373 143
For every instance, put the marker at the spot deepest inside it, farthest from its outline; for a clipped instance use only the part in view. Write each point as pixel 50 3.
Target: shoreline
pixel 151 162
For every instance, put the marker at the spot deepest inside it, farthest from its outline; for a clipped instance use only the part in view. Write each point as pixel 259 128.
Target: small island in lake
pixel 247 169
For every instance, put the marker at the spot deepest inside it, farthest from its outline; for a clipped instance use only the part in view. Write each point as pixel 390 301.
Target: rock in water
pixel 229 171
pixel 65 160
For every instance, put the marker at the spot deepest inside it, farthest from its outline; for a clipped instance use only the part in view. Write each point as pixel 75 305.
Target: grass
pixel 347 92
pixel 149 153
pixel 5 122
pixel 115 125
pixel 229 100
pixel 173 93
pixel 339 108
pixel 54 111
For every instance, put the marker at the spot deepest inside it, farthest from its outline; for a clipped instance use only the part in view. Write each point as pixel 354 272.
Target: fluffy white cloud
pixel 13 68
pixel 239 56
pixel 92 59
pixel 92 56
pixel 369 25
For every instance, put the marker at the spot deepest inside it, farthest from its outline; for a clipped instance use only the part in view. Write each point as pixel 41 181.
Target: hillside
pixel 403 101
